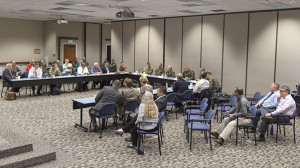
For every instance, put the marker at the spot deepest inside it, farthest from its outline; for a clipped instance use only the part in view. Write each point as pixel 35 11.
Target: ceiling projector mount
pixel 61 21
pixel 126 13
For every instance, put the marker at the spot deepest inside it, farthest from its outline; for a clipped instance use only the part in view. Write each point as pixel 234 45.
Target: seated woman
pixel 67 67
pixel 148 112
pixel 30 65
pixel 145 86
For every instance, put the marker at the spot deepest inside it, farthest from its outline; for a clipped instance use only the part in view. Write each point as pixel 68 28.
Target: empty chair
pixel 255 99
pixel 170 102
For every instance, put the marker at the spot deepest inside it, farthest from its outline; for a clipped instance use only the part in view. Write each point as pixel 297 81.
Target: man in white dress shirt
pixel 36 72
pixel 202 84
pixel 285 108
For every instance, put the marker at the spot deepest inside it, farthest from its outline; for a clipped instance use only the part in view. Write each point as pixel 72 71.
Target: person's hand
pixel 265 107
pixel 231 116
pixel 257 104
pixel 268 115
pixel 278 98
pixel 136 122
pixel 227 112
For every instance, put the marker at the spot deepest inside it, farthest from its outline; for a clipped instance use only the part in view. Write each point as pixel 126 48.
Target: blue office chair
pixel 130 106
pixel 107 111
pixel 186 97
pixel 201 125
pixel 255 98
pixel 158 132
pixel 219 90
pixel 286 124
pixel 223 107
pixel 195 114
pixel 246 126
pixel 170 102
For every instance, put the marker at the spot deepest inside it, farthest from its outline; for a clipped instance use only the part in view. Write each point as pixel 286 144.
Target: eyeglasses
pixel 282 90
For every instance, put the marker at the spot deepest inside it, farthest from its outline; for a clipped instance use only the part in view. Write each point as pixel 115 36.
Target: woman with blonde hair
pixel 30 65
pixel 148 112
pixel 145 86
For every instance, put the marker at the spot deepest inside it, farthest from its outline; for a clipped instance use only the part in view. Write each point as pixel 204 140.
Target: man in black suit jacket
pixel 105 69
pixel 179 87
pixel 107 94
pixel 161 101
pixel 7 75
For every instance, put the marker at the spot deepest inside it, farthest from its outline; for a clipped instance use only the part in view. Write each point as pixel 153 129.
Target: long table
pixel 86 78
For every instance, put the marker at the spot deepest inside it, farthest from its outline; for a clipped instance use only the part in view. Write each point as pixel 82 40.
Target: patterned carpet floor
pixel 52 119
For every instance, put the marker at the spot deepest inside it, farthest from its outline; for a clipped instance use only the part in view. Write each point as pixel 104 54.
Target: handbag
pixel 9 95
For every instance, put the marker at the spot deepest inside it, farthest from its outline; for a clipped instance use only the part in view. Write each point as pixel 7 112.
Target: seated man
pixel 213 82
pixel 95 70
pixel 43 68
pixel 113 66
pixel 242 110
pixel 122 68
pixel 67 67
pixel 84 61
pixel 187 73
pixel 159 71
pixel 266 104
pixel 60 67
pixel 161 103
pixel 201 85
pixel 56 72
pixel 105 69
pixel 36 72
pixel 82 70
pixel 147 69
pixel 128 94
pixel 169 72
pixel 7 75
pixel 179 87
pixel 107 94
pixel 15 70
pixel 285 109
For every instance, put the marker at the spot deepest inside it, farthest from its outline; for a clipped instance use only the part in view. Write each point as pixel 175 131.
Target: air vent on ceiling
pixel 191 5
pixel 276 4
pixel 218 10
pixel 199 2
pixel 188 11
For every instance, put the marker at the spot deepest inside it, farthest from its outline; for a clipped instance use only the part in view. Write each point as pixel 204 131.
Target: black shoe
pixel 39 93
pixel 215 134
pixel 118 132
pixel 128 139
pixel 103 128
pixel 130 146
pixel 259 139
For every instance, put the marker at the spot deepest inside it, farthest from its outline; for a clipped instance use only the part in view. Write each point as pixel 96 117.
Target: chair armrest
pixel 192 106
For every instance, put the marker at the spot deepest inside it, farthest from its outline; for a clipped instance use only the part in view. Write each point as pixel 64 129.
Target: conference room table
pixel 90 101
pixel 23 82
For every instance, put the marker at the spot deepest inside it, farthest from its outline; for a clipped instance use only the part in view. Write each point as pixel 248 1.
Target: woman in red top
pixel 29 66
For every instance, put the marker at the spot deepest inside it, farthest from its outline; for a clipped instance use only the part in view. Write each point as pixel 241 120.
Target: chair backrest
pixel 233 99
pixel 256 96
pixel 26 74
pixel 203 107
pixel 262 96
pixel 108 108
pixel 64 74
pixel 171 97
pixel 204 100
pixel 253 110
pixel 294 113
pixel 131 105
pixel 209 115
pixel 160 117
pixel 187 94
pixel 219 90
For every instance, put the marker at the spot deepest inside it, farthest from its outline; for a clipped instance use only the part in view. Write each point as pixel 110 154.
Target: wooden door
pixel 69 52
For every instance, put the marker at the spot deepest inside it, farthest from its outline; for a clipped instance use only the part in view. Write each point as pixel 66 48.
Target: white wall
pixel 93 43
pixel 19 38
pixel 106 39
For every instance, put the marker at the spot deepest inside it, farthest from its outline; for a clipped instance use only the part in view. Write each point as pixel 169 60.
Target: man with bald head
pixel 170 72
pixel 179 87
pixel 159 71
pixel 7 75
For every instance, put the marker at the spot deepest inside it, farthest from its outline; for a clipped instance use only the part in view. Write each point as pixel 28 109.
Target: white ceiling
pixel 101 11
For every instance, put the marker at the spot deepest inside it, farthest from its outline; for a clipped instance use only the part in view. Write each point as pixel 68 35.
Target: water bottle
pixel 243 141
pixel 271 130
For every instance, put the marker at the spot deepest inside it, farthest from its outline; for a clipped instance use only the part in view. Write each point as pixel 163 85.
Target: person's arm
pixel 192 75
pixel 159 105
pixel 98 97
pixel 141 113
pixel 195 89
pixel 243 109
pixel 273 102
pixel 6 75
pixel 175 87
pixel 40 73
pixel 284 107
pixel 30 73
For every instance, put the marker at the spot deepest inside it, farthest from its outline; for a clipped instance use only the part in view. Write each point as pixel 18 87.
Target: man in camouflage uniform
pixel 170 72
pixel 213 82
pixel 159 71
pixel 122 67
pixel 147 69
pixel 113 66
pixel 54 71
pixel 187 73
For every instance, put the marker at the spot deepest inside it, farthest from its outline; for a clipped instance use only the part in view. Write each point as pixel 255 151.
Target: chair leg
pixel 255 136
pixel 236 136
pixel 284 131
pixel 139 142
pixel 276 133
pixel 187 135
pixel 191 140
pixel 159 144
pixel 294 133
pixel 210 140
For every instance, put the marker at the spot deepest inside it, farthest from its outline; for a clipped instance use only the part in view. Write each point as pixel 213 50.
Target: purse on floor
pixel 9 95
